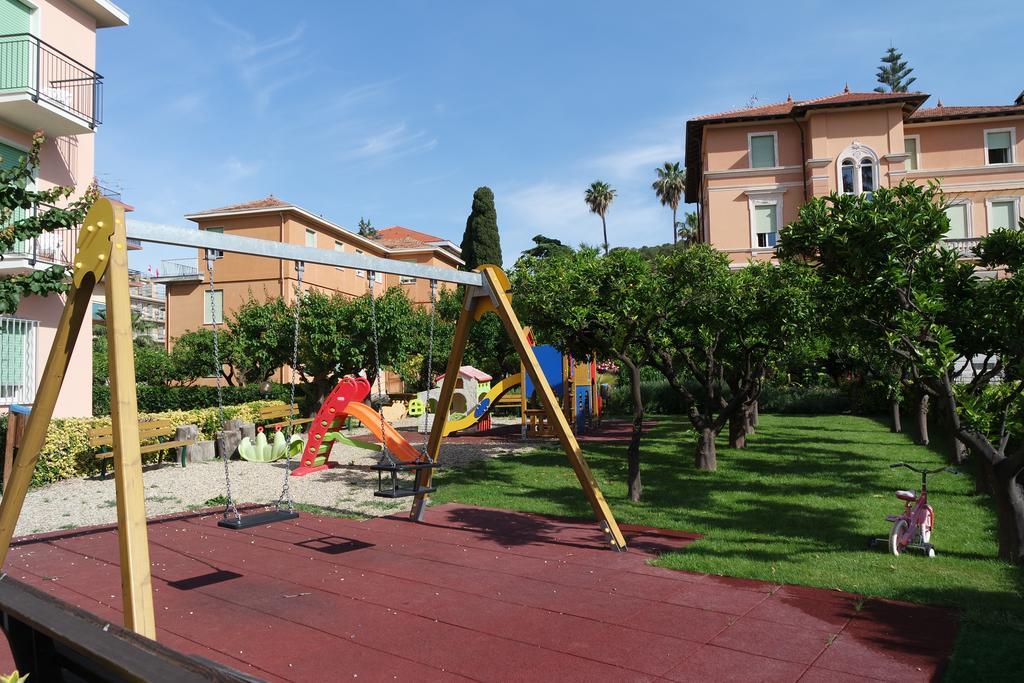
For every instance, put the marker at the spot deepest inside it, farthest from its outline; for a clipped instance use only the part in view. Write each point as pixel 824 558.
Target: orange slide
pixel 397 445
pixel 346 400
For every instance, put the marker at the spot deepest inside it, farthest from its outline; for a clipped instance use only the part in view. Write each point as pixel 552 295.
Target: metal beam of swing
pixel 204 239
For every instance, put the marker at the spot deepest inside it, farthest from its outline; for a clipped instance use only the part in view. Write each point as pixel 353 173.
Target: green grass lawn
pixel 797 506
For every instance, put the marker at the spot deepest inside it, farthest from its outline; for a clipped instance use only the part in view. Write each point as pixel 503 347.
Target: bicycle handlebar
pixel 951 470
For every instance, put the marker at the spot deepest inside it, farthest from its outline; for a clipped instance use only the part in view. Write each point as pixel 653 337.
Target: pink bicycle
pixel 913 528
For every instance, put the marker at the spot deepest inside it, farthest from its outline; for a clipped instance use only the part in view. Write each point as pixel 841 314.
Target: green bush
pixel 67 454
pixel 659 398
pixel 155 399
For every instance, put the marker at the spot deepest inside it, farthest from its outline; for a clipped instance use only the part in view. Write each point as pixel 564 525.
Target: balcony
pixel 41 87
pixel 963 245
pixel 178 270
pixel 55 248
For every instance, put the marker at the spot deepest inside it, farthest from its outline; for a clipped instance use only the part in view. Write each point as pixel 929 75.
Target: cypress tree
pixel 481 242
pixel 893 72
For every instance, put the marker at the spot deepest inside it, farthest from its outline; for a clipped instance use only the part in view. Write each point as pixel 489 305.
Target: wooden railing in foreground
pixel 55 641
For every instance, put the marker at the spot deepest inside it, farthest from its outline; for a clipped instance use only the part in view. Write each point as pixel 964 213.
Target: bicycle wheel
pixel 896 544
pixel 926 528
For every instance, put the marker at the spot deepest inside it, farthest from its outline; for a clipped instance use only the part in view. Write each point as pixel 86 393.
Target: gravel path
pixel 169 488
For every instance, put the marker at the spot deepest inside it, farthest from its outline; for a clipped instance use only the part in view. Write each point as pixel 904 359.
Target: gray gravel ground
pixel 169 488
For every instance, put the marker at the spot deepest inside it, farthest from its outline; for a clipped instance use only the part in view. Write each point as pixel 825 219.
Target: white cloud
pixel 396 141
pixel 632 161
pixel 558 210
pixel 236 169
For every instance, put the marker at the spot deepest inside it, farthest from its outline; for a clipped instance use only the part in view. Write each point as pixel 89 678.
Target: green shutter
pixel 15 53
pixel 762 151
pixel 910 146
pixel 1002 215
pixel 12 353
pixel 9 158
pixel 957 214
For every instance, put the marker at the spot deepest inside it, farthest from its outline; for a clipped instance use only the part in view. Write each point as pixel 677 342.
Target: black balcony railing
pixel 28 64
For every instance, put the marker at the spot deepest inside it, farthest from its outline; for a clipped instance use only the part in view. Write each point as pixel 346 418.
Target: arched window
pixel 858 169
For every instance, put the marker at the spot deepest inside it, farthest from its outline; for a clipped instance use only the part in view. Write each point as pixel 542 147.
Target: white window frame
pixel 310 234
pixel 360 273
pixel 970 217
pixel 339 246
pixel 917 155
pixel 1013 144
pixel 750 148
pixel 207 317
pixel 857 152
pixel 406 280
pixel 767 199
pixel 25 392
pixel 989 201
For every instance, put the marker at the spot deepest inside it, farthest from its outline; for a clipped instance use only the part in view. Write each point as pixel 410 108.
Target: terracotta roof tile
pixel 785 108
pixel 937 113
pixel 265 203
pixel 397 231
pixel 401 243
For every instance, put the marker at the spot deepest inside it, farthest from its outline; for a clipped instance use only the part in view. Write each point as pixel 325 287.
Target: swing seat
pixel 394 469
pixel 258 519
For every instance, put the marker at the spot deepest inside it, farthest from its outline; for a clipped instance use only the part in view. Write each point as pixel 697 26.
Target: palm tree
pixel 686 229
pixel 599 196
pixel 669 187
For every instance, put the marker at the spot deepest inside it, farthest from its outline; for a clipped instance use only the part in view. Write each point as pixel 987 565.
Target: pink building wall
pixel 951 151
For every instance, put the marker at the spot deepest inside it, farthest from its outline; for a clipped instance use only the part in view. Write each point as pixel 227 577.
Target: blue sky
pixel 397 111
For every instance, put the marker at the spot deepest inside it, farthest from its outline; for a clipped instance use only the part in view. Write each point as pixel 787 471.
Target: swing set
pixel 102 251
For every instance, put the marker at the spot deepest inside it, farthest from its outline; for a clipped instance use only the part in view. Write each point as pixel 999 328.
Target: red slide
pixel 347 400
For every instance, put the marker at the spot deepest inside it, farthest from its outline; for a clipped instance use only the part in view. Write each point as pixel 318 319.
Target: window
pixel 17 360
pixel 999 146
pixel 406 280
pixel 213 307
pixel 1002 213
pixel 910 146
pixel 338 246
pixel 215 253
pixel 763 150
pixel 360 273
pixel 310 238
pixel 858 170
pixel 766 224
pixel 958 221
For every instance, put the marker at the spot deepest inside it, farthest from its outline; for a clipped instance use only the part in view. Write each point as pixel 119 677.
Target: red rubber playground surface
pixel 478 594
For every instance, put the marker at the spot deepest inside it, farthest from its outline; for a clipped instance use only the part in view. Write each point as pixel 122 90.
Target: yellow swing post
pixel 101 248
pixel 493 296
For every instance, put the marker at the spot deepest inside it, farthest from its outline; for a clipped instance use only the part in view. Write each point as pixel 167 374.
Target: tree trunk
pixel 752 417
pixel 604 228
pixel 1009 498
pixel 675 233
pixel 738 429
pixel 706 457
pixel 959 452
pixel 633 452
pixel 922 420
pixel 894 408
pixel 983 477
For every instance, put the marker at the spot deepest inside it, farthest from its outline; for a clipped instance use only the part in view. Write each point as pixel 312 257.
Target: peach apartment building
pixel 237 277
pixel 749 170
pixel 48 82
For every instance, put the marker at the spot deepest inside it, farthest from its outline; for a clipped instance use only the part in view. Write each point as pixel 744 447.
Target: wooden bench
pixel 148 431
pixel 282 414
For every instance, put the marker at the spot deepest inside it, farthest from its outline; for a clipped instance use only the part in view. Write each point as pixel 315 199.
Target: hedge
pixel 156 399
pixel 67 453
pixel 659 398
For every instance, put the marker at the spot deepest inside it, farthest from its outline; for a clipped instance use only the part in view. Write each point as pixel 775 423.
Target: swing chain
pixel 430 369
pixel 372 275
pixel 286 492
pixel 229 506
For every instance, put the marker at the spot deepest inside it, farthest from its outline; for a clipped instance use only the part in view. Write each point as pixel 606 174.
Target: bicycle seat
pixel 906 495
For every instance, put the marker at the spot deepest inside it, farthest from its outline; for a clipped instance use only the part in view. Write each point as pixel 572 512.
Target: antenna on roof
pixel 846 88
pixel 752 102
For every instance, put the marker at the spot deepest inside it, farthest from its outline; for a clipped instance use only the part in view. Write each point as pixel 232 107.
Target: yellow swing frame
pixel 102 250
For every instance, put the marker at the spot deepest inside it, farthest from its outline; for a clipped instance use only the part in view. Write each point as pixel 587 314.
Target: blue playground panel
pixel 550 360
pixel 582 408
